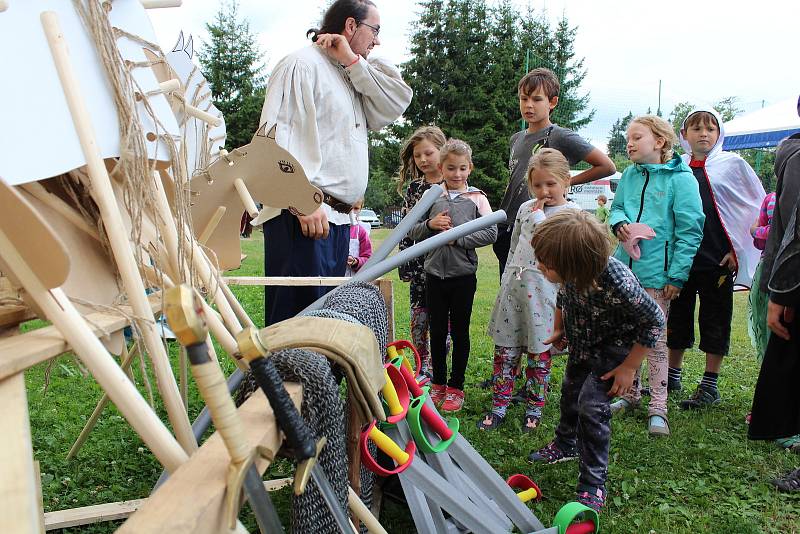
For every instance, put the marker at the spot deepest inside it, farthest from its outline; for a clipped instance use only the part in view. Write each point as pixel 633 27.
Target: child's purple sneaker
pixel 592 497
pixel 552 454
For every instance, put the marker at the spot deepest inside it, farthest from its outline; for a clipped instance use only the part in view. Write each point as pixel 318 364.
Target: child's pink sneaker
pixel 454 400
pixel 438 393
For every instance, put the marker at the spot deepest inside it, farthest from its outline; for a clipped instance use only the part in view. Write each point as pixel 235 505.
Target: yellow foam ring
pixel 390 394
pixel 388 446
pixel 392 352
pixel 527 495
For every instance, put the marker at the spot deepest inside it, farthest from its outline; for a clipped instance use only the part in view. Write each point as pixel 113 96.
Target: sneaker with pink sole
pixel 438 393
pixel 453 400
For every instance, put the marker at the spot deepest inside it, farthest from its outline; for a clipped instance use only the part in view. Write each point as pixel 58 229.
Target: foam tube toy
pixel 402 458
pixel 566 516
pixel 395 394
pixel 411 218
pixel 530 491
pixel 397 348
pixel 419 411
pixel 411 382
pixel 373 272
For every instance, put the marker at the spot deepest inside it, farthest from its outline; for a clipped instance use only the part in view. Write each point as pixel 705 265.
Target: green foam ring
pixel 567 514
pixel 415 420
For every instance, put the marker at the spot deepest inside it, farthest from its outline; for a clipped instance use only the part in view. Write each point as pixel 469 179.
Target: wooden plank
pixel 11 315
pixel 19 496
pixel 39 499
pixel 352 448
pixel 192 499
pixel 114 511
pixel 88 515
pixel 23 351
pixel 286 280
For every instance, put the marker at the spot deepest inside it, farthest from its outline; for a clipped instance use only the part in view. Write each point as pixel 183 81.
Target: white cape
pixel 738 194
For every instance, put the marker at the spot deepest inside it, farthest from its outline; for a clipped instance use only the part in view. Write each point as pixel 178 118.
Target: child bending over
pixel 610 322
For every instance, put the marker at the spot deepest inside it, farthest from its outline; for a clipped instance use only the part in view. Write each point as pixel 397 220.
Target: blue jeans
pixel 287 252
pixel 586 415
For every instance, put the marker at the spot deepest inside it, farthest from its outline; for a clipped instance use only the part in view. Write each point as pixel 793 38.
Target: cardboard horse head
pixel 271 175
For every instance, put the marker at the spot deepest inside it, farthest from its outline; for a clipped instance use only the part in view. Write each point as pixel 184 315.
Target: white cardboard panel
pixel 37 136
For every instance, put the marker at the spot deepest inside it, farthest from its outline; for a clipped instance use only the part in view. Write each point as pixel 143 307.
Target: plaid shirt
pixel 617 314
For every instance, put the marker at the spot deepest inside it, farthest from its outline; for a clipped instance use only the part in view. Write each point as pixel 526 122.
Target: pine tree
pixel 466 60
pixel 617 138
pixel 232 64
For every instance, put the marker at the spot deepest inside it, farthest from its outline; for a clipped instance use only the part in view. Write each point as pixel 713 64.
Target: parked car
pixel 369 216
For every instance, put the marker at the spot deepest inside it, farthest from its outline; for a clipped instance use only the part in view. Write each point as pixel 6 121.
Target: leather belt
pixel 336 204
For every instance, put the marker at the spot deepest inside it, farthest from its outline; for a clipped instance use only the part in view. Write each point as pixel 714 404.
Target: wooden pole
pixel 103 195
pixel 127 359
pixel 200 260
pixel 62 313
pixel 184 378
pixel 19 498
pixel 237 306
pixel 244 195
pixel 157 4
pixel 212 224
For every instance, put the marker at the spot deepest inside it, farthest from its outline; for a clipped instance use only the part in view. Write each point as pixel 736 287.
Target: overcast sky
pixel 701 50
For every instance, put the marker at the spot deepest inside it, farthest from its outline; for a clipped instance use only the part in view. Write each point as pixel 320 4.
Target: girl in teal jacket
pixel 660 191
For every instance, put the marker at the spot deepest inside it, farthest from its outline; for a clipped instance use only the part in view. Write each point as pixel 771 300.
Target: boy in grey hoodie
pixel 450 271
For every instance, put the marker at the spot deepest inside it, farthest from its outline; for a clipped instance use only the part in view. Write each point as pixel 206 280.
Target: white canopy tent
pixel 763 128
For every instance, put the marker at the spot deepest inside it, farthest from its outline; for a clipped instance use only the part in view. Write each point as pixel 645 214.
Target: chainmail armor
pixel 322 407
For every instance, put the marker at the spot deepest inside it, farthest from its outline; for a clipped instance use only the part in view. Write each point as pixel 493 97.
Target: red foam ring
pixel 372 464
pixel 435 422
pixel 401 389
pixel 411 382
pixel 584 527
pixel 406 344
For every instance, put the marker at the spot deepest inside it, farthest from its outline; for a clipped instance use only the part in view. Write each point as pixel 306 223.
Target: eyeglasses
pixel 375 29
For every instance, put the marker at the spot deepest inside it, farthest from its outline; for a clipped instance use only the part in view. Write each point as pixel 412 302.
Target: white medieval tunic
pixel 323 112
pixel 524 311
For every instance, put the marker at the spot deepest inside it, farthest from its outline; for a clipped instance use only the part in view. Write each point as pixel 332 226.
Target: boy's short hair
pixel 551 161
pixel 703 118
pixel 602 197
pixel 575 245
pixel 537 78
pixel 662 129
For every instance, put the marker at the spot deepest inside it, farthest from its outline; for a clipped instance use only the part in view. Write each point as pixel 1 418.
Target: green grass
pixel 706 477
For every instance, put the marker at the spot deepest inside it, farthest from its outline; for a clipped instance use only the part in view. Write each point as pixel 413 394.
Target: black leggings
pixel 450 300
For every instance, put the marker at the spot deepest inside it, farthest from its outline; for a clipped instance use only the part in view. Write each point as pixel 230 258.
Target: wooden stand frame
pixel 204 472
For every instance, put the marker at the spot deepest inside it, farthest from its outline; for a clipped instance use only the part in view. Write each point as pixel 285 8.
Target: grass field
pixel 707 477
